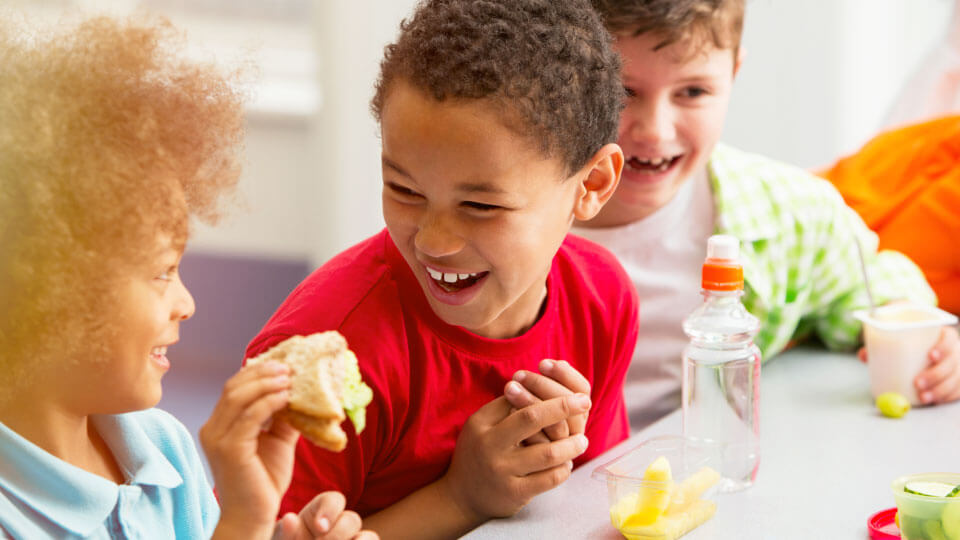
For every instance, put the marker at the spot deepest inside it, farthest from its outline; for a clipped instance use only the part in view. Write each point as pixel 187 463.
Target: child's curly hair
pixel 699 22
pixel 547 63
pixel 109 138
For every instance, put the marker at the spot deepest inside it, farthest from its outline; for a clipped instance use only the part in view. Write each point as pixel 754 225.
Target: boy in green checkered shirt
pixel 679 186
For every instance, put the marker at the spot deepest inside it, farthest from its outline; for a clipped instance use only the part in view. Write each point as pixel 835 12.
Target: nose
pixel 436 237
pixel 649 121
pixel 183 305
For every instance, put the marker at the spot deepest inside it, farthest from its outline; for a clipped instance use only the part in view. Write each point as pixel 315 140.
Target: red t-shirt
pixel 429 377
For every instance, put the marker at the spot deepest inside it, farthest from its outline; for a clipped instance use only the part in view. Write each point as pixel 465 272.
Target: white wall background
pixel 819 75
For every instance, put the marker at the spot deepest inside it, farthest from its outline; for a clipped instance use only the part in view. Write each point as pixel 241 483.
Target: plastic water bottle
pixel 721 368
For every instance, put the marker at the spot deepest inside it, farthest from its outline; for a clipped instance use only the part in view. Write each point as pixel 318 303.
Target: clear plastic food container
pixel 928 506
pixel 663 488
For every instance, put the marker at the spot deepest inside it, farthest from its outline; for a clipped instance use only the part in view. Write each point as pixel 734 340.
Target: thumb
pixel 286 528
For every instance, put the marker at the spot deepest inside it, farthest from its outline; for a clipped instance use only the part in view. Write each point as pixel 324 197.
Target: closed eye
pixel 401 190
pixel 481 206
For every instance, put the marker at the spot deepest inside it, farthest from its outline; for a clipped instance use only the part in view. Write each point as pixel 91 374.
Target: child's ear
pixel 738 60
pixel 598 180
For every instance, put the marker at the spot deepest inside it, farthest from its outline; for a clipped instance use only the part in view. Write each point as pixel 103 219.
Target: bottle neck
pixel 711 294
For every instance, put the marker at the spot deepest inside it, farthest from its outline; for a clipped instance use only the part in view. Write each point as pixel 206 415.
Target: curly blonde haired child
pixel 111 140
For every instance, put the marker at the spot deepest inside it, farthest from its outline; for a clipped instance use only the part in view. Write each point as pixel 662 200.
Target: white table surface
pixel 827 461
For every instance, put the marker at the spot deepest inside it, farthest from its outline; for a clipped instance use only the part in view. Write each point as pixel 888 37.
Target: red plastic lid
pixel 882 526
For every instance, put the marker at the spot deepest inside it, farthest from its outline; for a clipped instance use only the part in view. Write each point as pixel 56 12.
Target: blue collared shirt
pixel 166 494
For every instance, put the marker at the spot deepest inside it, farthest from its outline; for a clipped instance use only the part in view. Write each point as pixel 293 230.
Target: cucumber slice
pixel 951 520
pixel 930 489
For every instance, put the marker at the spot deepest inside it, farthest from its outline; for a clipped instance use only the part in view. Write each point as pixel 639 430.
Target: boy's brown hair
pixel 109 138
pixel 719 22
pixel 548 65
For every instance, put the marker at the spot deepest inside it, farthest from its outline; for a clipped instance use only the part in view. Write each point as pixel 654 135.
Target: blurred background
pixel 819 79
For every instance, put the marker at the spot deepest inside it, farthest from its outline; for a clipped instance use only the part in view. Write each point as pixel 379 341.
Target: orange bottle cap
pixel 722 275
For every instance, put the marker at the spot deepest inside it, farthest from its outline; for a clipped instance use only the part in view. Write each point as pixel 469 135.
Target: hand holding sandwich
pixel 252 466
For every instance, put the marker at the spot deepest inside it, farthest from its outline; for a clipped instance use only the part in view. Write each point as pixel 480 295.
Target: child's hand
pixel 558 379
pixel 323 517
pixel 251 467
pixel 940 382
pixel 492 474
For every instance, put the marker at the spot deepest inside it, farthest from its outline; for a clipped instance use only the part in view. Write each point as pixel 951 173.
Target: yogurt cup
pixel 898 338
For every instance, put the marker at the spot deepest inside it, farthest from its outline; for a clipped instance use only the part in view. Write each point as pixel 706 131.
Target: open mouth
pixel 454 282
pixel 158 352
pixel 652 165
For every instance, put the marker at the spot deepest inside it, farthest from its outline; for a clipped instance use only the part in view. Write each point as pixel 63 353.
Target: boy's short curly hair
pixel 109 138
pixel 548 65
pixel 719 22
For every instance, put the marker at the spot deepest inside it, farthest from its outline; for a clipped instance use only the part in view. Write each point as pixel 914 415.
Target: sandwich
pixel 326 387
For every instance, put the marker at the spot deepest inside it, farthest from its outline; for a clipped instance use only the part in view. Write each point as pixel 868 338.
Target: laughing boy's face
pixel 675 108
pixel 476 210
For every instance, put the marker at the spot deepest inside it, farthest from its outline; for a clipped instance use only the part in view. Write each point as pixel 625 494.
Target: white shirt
pixel 663 254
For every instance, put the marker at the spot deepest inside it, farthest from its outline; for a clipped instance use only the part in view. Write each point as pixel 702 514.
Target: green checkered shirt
pixel 800 262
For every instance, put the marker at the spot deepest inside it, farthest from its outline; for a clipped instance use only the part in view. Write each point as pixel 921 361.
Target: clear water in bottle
pixel 721 369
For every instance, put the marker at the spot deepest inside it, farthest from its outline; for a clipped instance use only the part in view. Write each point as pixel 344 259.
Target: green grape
pixel 892 404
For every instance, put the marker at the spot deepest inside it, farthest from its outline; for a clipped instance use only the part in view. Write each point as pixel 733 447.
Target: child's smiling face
pixel 676 104
pixel 476 210
pixel 151 303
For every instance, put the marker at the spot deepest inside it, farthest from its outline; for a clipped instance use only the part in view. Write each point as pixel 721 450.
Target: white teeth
pixel 449 277
pixel 659 164
pixel 159 351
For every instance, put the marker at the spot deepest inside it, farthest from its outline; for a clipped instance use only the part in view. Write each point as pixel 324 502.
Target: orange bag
pixel 905 183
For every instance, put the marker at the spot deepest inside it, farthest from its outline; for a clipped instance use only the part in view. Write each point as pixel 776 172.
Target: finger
pixel 946 390
pixel 366 535
pixel 565 374
pixel 345 527
pixel 248 425
pixel 523 423
pixel 542 386
pixel 934 376
pixel 289 527
pixel 537 438
pixel 230 422
pixel 321 513
pixel 492 412
pixel 519 397
pixel 247 386
pixel 256 371
pixel 541 457
pixel 539 482
pixel 862 354
pixel 546 387
pixel 281 429
pixel 947 344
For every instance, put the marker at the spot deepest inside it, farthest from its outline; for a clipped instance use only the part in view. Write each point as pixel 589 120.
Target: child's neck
pixel 63 434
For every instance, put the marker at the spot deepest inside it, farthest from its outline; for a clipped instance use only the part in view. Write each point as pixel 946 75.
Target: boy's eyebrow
pixel 480 187
pixel 469 187
pixel 388 163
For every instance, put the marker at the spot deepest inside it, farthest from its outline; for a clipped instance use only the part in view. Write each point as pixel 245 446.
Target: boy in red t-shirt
pixel 497 120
